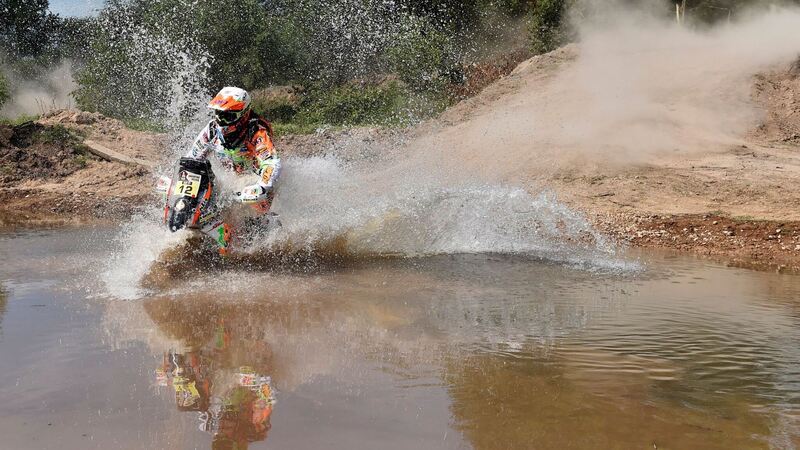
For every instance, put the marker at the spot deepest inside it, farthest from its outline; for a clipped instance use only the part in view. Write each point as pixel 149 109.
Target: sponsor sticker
pixel 188 184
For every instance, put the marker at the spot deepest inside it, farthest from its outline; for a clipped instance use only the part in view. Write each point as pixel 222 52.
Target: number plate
pixel 188 184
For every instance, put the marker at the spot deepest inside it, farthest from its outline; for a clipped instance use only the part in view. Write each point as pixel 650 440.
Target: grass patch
pixel 279 104
pixel 56 134
pixel 147 125
pixel 350 105
pixel 81 161
pixel 282 129
pixel 389 104
pixel 59 136
pixel 19 120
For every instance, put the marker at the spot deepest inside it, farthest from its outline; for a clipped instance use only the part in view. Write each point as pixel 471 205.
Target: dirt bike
pixel 192 202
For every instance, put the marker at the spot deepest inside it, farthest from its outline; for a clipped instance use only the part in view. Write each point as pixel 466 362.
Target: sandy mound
pixel 32 151
pixel 49 175
pixel 111 133
pixel 778 92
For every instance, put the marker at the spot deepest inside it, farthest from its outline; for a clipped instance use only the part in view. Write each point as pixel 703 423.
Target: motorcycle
pixel 191 201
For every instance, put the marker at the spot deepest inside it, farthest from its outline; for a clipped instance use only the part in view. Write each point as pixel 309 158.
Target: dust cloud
pixel 51 91
pixel 636 88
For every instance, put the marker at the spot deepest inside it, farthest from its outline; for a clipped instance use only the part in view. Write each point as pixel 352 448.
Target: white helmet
pixel 231 106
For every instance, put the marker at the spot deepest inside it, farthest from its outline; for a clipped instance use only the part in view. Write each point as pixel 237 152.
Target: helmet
pixel 231 107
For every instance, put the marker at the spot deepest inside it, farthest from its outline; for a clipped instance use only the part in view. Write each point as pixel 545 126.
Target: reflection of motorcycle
pixel 234 403
pixel 242 413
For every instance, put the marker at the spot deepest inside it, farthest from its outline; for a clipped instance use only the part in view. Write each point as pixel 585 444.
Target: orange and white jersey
pixel 254 150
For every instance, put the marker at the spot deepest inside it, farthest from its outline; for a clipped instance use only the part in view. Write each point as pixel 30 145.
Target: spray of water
pixel 323 202
pixel 403 203
pixel 173 65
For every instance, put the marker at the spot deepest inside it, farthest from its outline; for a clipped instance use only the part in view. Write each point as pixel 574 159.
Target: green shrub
pixel 81 161
pixel 62 137
pixel 420 56
pixel 282 129
pixel 54 135
pixel 385 104
pixel 144 124
pixel 278 104
pixel 19 120
pixel 4 90
pixel 546 25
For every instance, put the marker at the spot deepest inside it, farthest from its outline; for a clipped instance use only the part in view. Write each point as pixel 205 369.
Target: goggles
pixel 227 117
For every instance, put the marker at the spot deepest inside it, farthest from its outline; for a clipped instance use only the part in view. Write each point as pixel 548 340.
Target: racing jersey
pixel 254 151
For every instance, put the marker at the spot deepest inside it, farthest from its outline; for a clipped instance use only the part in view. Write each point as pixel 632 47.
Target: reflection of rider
pixel 235 413
pixel 242 414
pixel 242 140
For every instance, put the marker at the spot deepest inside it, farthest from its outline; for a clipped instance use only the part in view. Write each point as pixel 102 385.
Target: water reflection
pixel 501 402
pixel 222 377
pixel 528 355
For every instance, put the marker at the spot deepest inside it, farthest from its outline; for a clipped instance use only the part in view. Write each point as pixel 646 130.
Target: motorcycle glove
pixel 253 194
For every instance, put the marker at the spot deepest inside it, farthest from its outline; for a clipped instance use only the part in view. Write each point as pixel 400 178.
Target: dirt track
pixel 727 188
pixel 740 201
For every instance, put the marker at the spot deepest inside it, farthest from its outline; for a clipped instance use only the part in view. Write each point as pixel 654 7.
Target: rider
pixel 242 140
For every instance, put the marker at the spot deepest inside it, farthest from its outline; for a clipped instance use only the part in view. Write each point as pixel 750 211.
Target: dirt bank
pixel 51 177
pixel 661 137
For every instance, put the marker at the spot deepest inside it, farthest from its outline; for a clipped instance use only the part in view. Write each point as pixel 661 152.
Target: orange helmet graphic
pixel 230 106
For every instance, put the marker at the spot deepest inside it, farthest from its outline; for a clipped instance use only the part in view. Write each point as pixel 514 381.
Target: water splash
pixel 327 205
pixel 162 78
pixel 139 244
pixel 409 206
pixel 331 210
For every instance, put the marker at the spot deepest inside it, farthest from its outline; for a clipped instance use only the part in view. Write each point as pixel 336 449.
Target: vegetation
pixel 56 134
pixel 546 25
pixel 19 120
pixel 354 104
pixel 149 62
pixel 389 103
pixel 4 91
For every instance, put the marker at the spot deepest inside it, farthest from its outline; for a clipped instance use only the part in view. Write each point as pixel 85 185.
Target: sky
pixel 75 8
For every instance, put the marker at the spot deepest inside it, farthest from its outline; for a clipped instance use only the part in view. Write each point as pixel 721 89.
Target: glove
pixel 252 194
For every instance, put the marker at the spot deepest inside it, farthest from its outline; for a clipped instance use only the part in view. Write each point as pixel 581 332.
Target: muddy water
pixel 486 352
